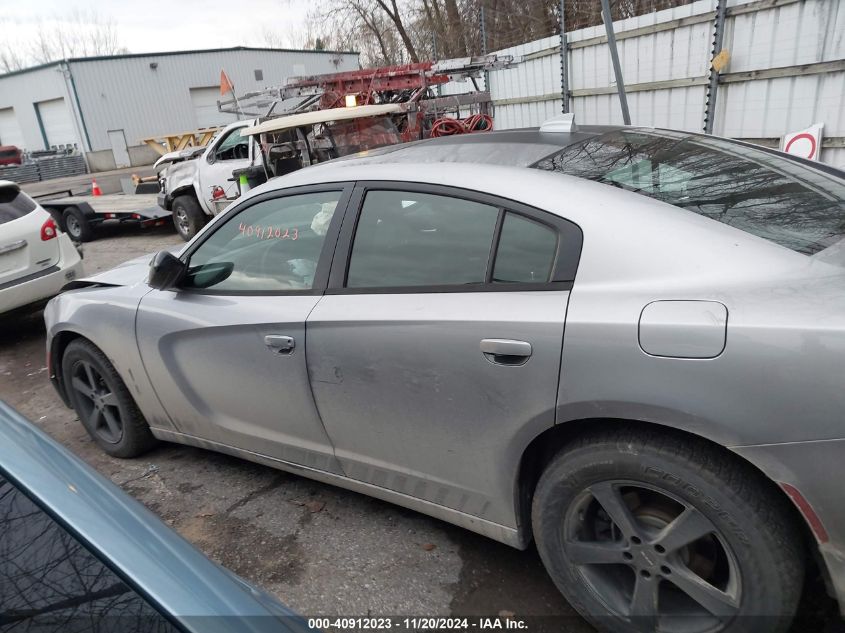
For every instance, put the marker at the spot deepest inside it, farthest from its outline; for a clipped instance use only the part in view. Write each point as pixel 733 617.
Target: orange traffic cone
pixel 95 188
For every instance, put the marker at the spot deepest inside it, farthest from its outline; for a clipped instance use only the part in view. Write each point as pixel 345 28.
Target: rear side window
pixel 420 239
pixel 49 581
pixel 14 204
pixel 526 251
pixel 771 197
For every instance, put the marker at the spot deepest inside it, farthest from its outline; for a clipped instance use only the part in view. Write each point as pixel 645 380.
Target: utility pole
pixel 713 84
pixel 564 62
pixel 614 57
pixel 482 26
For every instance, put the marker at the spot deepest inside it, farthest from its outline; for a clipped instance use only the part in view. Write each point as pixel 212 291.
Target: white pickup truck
pixel 188 178
pixel 198 183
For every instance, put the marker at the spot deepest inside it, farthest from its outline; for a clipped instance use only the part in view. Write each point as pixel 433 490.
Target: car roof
pixel 516 148
pixel 526 146
pixel 135 543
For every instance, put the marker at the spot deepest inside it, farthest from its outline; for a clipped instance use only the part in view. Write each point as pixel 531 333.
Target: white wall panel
pixel 58 123
pixel 10 131
pixel 128 93
pixel 21 91
pixel 804 32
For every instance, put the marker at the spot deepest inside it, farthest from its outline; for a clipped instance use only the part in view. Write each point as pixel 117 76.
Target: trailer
pixel 78 216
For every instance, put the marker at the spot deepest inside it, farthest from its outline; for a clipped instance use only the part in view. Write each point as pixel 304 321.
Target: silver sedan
pixel 625 344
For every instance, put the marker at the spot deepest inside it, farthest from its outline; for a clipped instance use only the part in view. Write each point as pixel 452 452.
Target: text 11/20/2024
pixel 419 623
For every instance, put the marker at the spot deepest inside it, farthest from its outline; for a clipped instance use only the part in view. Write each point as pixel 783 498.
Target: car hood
pixel 128 273
pixel 177 157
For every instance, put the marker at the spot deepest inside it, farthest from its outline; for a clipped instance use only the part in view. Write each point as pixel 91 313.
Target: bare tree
pixel 76 34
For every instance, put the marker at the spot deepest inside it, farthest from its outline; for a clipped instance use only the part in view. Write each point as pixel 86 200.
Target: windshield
pixel 357 135
pixel 761 193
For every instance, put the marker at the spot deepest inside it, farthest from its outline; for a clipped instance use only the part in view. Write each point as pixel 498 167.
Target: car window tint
pixel 50 582
pixel 771 197
pixel 273 245
pixel 526 251
pixel 14 204
pixel 419 239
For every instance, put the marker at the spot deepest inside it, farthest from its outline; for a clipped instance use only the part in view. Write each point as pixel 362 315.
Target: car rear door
pixel 436 350
pixel 225 351
pixel 23 252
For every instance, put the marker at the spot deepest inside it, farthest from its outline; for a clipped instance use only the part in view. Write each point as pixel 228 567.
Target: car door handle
pixel 280 343
pixel 505 351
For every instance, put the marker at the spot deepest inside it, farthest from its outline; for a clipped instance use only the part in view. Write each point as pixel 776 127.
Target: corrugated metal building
pixel 786 72
pixel 105 105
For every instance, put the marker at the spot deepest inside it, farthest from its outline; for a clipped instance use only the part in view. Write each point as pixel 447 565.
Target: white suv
pixel 36 259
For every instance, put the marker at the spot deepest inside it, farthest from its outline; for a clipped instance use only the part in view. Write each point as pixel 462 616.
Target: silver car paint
pixel 683 329
pixel 778 380
pixel 413 405
pixel 188 342
pixel 106 315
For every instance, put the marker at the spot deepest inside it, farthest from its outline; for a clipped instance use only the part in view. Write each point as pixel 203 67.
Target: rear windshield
pixel 14 204
pixel 775 198
pixel 8 153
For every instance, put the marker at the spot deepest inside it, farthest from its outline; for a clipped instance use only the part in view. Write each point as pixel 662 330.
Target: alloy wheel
pixel 652 558
pixel 182 223
pixel 97 401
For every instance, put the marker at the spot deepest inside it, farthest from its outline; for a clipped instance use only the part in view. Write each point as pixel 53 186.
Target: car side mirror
pixel 166 271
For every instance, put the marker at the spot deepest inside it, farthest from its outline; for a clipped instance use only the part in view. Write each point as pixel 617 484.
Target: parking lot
pixel 320 549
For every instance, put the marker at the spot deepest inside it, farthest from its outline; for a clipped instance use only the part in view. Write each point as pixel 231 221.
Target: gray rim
pixel 652 558
pixel 97 401
pixel 73 226
pixel 182 222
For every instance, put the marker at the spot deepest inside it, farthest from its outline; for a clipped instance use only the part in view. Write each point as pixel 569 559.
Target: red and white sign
pixel 804 143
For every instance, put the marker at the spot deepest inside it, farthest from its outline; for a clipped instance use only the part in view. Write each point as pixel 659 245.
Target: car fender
pixel 181 177
pixel 104 315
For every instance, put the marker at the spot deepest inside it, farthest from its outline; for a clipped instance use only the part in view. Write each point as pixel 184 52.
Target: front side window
pixel 420 239
pixel 775 198
pixel 233 147
pixel 273 245
pixel 51 582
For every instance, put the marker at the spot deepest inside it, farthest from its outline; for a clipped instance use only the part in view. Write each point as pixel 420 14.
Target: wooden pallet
pixel 175 142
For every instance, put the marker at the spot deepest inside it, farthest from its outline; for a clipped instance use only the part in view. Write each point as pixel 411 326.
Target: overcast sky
pixel 164 25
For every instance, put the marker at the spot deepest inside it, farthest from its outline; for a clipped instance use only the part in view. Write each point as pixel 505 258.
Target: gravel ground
pixel 320 549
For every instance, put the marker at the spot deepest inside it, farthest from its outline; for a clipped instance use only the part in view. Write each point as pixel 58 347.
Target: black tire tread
pixel 86 232
pixel 136 431
pixel 728 473
pixel 196 215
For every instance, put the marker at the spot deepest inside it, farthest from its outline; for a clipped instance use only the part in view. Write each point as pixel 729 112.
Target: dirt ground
pixel 320 549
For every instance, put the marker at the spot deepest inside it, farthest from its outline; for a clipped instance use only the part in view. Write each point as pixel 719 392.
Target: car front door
pixel 225 351
pixel 231 151
pixel 436 350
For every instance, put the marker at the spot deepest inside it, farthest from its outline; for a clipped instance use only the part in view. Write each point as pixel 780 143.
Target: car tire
pixel 76 225
pixel 103 403
pixel 734 562
pixel 188 217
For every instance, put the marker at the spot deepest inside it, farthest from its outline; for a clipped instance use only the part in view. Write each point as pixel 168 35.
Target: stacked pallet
pixel 60 166
pixel 20 173
pixel 44 169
